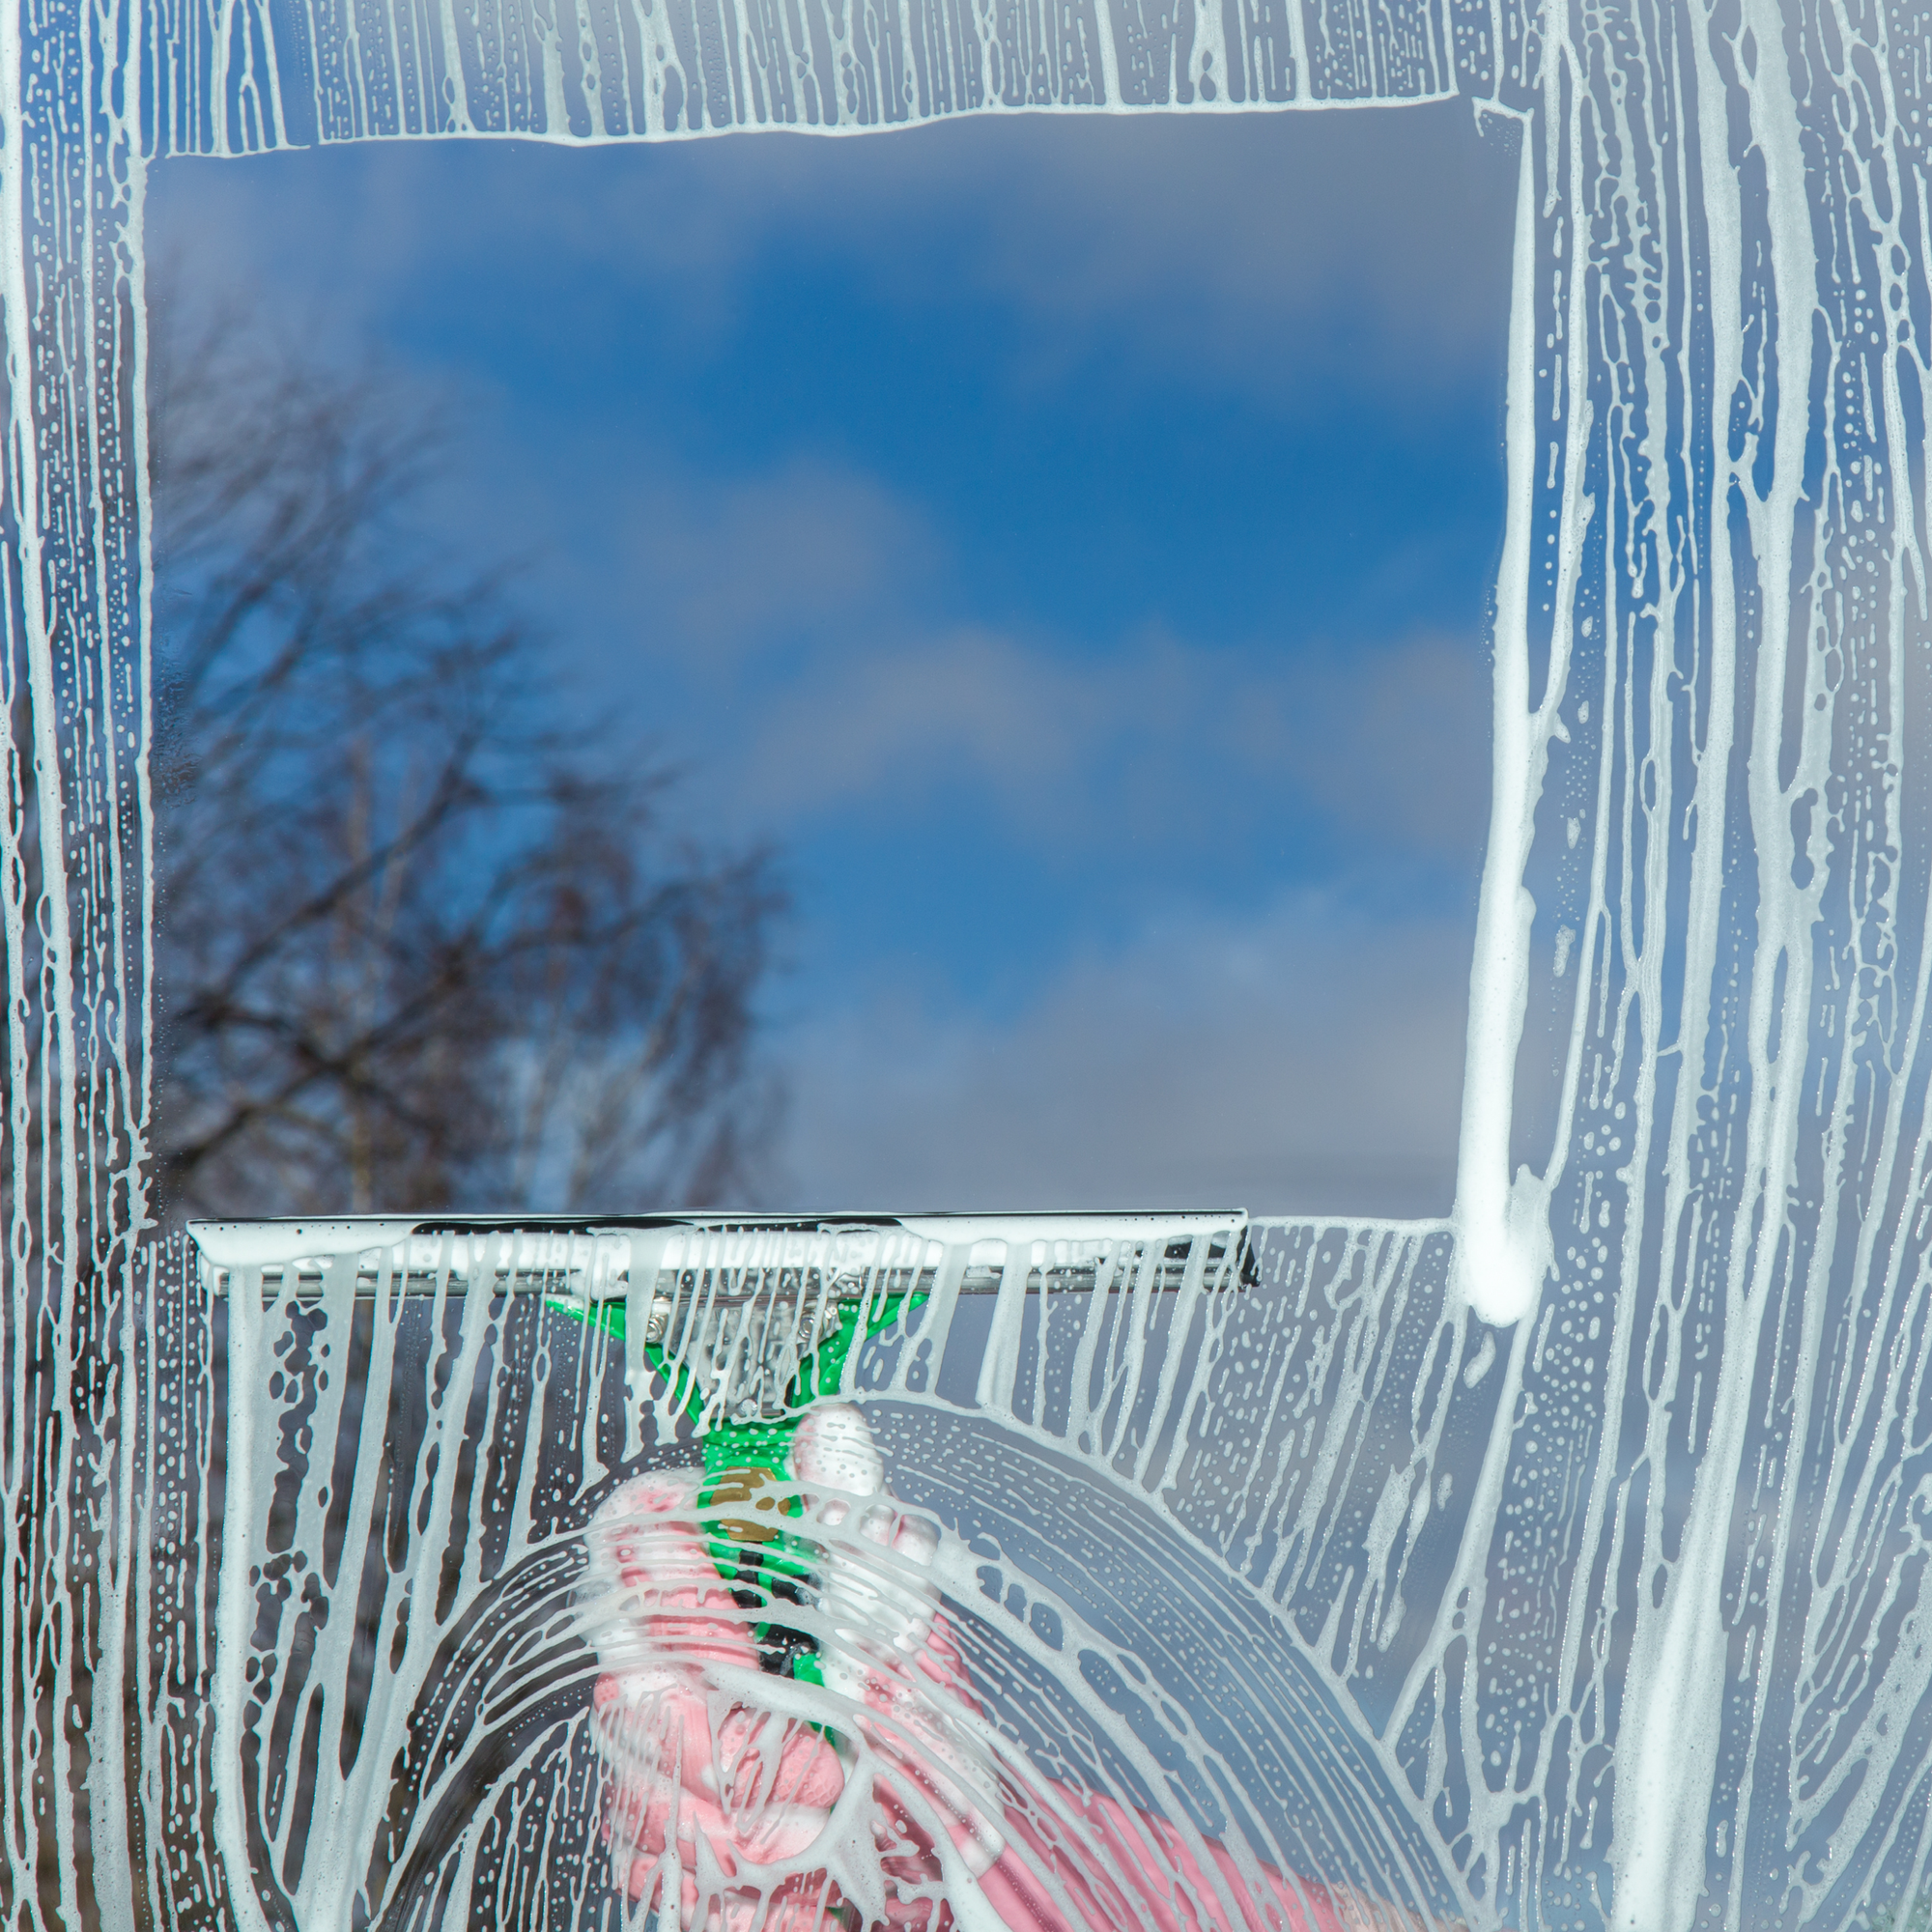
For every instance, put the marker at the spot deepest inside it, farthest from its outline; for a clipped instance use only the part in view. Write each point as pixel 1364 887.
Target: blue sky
pixel 1068 540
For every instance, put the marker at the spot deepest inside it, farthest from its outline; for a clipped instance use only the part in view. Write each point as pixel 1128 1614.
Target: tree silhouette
pixel 423 941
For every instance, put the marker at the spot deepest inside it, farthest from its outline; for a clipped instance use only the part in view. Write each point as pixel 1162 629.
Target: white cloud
pixel 1273 254
pixel 807 613
pixel 1394 741
pixel 804 610
pixel 1259 249
pixel 1308 1061
pixel 726 571
pixel 1170 744
pixel 1277 254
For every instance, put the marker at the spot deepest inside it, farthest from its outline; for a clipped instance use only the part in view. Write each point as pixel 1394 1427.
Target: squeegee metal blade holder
pixel 805 1261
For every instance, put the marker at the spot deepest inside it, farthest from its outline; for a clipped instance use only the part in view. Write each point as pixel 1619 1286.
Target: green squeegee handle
pixel 740 1456
pixel 760 1444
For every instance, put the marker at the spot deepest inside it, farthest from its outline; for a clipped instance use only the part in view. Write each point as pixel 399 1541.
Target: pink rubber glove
pixel 686 1765
pixel 739 1789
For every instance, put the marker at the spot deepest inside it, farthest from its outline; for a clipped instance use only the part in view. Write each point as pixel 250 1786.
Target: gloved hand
pixel 885 1647
pixel 698 1770
pixel 705 1767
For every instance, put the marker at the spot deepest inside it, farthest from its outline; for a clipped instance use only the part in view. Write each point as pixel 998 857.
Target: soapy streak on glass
pixel 1009 1463
pixel 1601 1514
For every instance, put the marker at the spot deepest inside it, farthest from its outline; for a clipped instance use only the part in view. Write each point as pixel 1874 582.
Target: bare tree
pixel 423 941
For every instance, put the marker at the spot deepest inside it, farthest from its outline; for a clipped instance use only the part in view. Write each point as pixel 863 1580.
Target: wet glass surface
pixel 1559 1564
